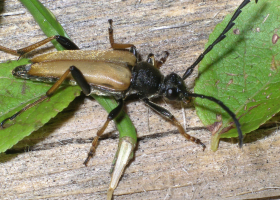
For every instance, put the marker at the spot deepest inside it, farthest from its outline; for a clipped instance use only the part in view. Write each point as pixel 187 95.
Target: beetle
pixel 115 73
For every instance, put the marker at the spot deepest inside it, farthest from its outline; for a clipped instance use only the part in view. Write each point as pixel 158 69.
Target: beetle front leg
pixel 157 63
pixel 165 113
pixel 112 115
pixel 65 42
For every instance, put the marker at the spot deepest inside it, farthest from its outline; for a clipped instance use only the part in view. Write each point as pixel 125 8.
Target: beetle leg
pixel 162 59
pixel 165 113
pixel 111 38
pixel 151 59
pixel 81 81
pixel 65 42
pixel 42 98
pixel 77 75
pixel 112 115
pixel 135 53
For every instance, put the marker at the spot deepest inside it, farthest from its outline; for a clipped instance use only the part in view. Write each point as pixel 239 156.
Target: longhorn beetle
pixel 115 73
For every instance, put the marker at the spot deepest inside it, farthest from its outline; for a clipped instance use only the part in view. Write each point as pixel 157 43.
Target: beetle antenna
pixel 220 103
pixel 219 39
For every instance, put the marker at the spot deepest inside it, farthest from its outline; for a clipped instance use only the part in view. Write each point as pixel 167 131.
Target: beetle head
pixel 174 88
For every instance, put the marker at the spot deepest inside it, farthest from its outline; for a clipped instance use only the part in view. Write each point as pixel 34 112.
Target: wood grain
pixel 49 163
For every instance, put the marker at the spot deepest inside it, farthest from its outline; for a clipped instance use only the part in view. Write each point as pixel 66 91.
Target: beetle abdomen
pixel 22 72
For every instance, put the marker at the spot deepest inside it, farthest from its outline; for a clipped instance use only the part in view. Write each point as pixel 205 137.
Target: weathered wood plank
pixel 165 165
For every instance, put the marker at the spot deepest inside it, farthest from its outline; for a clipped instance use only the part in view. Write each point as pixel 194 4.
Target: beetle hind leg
pixel 42 98
pixel 95 142
pixel 77 75
pixel 48 94
pixel 112 115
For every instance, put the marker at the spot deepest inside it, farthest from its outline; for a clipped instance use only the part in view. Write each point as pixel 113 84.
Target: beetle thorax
pixel 146 80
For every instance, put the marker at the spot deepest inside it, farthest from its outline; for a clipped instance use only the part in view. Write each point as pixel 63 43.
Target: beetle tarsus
pixel 90 155
pixel 187 136
pixel 162 59
pixel 95 142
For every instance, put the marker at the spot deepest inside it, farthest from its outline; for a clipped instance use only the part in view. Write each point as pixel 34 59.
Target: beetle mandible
pixel 115 73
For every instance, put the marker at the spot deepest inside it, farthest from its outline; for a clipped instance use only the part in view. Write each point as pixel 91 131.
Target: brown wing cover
pixel 107 69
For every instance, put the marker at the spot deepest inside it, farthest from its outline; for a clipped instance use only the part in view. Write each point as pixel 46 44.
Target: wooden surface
pixel 49 163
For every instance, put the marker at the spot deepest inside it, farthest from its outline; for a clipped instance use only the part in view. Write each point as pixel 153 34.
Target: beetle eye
pixel 172 94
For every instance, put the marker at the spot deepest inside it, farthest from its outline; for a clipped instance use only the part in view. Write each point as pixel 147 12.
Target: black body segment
pixel 174 87
pixel 146 80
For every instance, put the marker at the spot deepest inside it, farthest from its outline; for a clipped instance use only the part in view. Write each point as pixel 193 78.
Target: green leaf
pixel 242 71
pixel 17 93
